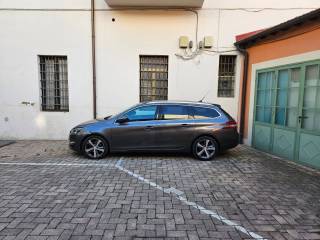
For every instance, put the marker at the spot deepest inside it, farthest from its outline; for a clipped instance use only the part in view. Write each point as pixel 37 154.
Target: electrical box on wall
pixel 183 42
pixel 208 42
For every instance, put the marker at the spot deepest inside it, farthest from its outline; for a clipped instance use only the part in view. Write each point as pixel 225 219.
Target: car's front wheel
pixel 95 147
pixel 204 148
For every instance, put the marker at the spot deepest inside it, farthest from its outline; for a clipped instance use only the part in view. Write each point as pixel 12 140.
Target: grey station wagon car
pixel 202 129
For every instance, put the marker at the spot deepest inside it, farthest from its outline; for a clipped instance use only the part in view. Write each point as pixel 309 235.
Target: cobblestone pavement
pixel 5 143
pixel 49 192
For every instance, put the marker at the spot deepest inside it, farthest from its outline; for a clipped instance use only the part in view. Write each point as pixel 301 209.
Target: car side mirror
pixel 123 119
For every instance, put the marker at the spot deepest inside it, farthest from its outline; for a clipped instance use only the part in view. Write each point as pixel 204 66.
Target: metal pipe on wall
pixel 243 91
pixel 93 50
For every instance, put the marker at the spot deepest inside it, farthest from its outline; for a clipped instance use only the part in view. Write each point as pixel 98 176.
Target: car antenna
pixel 204 96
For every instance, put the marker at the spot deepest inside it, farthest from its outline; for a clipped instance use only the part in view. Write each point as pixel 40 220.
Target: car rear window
pixel 226 114
pixel 203 113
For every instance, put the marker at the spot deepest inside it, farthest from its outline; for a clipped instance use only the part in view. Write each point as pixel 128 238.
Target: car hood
pixel 93 122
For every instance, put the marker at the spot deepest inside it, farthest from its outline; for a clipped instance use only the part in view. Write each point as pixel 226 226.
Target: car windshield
pixel 121 113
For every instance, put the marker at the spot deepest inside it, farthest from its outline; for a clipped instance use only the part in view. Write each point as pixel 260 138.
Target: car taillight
pixel 230 124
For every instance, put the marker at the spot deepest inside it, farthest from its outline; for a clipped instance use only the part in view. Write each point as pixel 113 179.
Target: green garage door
pixel 287 112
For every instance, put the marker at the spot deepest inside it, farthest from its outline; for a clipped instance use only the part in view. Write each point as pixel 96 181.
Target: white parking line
pixel 180 195
pixel 57 164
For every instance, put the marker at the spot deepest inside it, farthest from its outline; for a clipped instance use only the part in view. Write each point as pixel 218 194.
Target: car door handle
pixel 184 124
pixel 148 128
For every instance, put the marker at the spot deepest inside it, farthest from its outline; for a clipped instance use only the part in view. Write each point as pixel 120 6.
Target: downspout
pixel 245 53
pixel 93 51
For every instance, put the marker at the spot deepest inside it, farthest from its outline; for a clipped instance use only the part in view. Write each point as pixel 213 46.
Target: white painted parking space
pixel 173 191
pixel 181 196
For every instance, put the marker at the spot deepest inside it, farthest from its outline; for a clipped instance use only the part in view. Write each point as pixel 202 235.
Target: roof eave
pixel 250 41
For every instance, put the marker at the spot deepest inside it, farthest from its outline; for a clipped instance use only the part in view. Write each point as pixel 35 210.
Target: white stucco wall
pixel 28 29
pixel 26 35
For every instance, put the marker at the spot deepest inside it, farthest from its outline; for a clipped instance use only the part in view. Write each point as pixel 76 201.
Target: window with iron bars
pixel 153 78
pixel 54 83
pixel 227 72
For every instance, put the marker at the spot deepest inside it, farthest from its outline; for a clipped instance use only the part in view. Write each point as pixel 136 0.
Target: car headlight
pixel 76 131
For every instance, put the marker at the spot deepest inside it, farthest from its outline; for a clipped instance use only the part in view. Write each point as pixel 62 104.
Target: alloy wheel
pixel 94 147
pixel 205 148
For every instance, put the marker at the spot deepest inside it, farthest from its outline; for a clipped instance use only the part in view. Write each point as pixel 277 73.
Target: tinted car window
pixel 142 113
pixel 171 112
pixel 204 113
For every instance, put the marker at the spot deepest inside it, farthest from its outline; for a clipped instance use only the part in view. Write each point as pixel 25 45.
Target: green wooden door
pixel 309 120
pixel 265 90
pixel 287 112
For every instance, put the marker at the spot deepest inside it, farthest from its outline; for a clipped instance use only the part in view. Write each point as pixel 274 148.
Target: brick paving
pixel 49 192
pixel 5 143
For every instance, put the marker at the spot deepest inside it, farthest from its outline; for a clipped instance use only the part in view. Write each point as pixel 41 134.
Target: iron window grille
pixel 54 83
pixel 153 78
pixel 227 72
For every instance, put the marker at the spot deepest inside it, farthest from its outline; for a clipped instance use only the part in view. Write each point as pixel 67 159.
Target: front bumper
pixel 75 142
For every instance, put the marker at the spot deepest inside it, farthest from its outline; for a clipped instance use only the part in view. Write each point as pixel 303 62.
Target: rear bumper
pixel 232 144
pixel 229 140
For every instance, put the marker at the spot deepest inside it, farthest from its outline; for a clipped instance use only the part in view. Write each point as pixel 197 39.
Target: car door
pixel 173 128
pixel 137 133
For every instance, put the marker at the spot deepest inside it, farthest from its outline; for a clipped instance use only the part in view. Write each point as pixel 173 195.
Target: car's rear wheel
pixel 95 147
pixel 205 148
